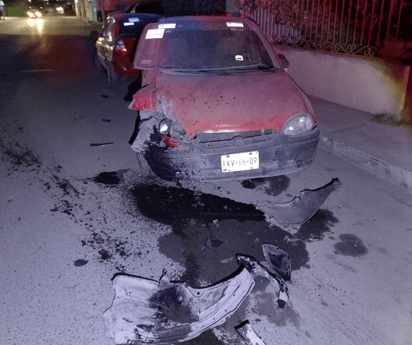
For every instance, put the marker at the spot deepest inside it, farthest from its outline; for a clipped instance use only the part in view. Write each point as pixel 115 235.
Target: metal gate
pixel 352 26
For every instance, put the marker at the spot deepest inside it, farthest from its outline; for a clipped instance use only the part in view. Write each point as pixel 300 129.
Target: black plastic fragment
pixel 302 207
pixel 277 260
pixel 101 144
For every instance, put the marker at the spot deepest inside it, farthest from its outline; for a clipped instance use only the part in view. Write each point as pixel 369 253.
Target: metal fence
pixel 345 26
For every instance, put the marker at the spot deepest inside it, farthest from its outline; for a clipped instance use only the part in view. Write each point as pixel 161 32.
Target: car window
pixel 134 26
pixel 205 48
pixel 264 54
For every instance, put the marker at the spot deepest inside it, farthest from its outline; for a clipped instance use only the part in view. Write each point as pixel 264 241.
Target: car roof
pixel 207 21
pixel 141 16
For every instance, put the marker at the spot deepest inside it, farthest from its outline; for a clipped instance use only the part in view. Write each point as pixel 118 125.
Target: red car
pixel 217 103
pixel 116 44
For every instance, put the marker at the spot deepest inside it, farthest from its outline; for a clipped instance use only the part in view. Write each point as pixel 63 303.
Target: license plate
pixel 240 161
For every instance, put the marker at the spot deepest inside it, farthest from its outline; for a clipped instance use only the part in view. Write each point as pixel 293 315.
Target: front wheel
pixel 143 167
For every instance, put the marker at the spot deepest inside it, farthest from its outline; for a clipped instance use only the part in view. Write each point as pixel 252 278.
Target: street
pixel 74 212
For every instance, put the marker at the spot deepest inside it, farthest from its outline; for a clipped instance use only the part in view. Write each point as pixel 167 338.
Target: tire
pixel 143 167
pixel 112 78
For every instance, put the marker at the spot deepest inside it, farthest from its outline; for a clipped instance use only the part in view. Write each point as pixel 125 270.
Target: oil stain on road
pixel 208 231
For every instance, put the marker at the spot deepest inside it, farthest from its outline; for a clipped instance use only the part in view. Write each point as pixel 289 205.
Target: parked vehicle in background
pixel 116 44
pixel 217 103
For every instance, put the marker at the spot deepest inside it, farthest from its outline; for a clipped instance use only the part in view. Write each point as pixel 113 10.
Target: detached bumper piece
pixel 279 154
pixel 156 313
pixel 301 207
pixel 147 311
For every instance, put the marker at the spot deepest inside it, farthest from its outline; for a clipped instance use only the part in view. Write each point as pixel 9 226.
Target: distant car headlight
pixel 298 124
pixel 30 14
pixel 38 13
pixel 60 9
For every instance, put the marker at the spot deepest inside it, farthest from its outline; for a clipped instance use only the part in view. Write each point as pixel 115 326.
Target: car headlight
pixel 171 128
pixel 165 126
pixel 298 124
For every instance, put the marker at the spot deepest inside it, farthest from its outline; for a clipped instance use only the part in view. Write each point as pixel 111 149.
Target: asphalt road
pixel 74 212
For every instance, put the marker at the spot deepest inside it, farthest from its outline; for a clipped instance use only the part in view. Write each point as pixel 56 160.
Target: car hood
pixel 224 103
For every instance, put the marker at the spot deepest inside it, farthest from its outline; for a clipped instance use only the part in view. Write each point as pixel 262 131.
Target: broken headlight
pixel 165 126
pixel 298 124
pixel 172 134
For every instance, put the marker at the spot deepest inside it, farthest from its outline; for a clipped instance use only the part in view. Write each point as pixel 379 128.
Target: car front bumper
pixel 278 155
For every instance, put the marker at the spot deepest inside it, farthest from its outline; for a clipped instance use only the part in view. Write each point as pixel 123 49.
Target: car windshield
pixel 206 49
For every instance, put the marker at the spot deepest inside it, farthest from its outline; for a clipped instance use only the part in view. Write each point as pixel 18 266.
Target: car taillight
pixel 120 48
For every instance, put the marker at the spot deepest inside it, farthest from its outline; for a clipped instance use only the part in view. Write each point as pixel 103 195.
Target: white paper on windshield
pixel 239 57
pixel 167 26
pixel 234 24
pixel 127 24
pixel 154 33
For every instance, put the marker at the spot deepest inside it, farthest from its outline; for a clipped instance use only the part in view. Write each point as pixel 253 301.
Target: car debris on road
pixel 164 312
pixel 248 334
pixel 302 207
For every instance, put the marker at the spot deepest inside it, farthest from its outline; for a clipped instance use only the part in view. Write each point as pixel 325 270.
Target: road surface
pixel 74 212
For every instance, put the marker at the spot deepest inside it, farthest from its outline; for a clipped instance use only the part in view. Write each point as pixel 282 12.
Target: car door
pixel 101 42
pixel 104 44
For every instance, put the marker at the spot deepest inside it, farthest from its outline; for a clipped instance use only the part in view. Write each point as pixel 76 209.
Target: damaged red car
pixel 217 103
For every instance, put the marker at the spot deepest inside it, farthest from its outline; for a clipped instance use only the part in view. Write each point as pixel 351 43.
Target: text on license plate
pixel 240 161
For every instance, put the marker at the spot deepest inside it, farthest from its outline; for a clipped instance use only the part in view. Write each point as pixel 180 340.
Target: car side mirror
pixel 285 62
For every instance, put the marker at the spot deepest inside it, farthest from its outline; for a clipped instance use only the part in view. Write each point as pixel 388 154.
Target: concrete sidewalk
pixel 381 149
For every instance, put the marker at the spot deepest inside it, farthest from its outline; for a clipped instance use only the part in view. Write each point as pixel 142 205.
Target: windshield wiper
pixel 222 70
pixel 265 66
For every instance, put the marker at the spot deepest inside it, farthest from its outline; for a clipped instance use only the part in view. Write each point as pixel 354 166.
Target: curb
pixel 386 171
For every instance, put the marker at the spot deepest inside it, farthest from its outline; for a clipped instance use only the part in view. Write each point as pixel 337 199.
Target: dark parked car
pixel 116 44
pixel 217 103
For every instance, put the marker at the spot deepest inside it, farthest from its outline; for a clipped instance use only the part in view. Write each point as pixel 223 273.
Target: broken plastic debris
pixel 226 261
pixel 248 334
pixel 144 310
pixel 302 207
pixel 102 144
pixel 257 269
pixel 277 260
pixel 147 311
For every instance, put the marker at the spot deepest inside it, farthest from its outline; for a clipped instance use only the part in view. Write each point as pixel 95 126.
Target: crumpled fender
pixel 147 311
pixel 145 99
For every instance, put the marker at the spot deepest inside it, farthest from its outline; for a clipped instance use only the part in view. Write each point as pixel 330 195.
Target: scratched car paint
pixel 217 104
